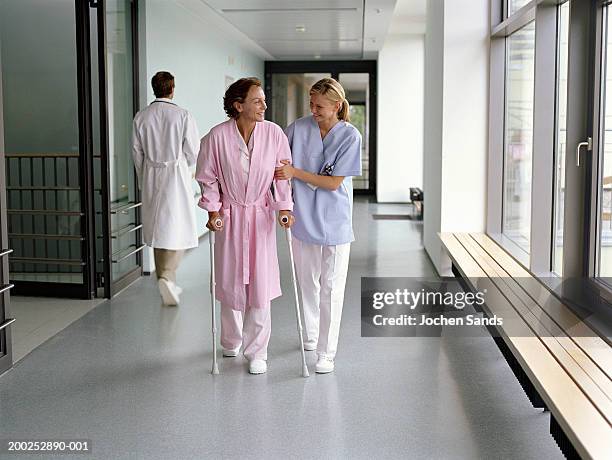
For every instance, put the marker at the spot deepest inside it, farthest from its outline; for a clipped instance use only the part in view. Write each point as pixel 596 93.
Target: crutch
pixel 211 239
pixel 284 220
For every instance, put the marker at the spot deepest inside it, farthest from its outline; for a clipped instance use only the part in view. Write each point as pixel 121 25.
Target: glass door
pixel 119 242
pixel 46 147
pixel 357 88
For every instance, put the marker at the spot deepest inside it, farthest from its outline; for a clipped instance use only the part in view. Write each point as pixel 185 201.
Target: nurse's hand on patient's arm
pixel 327 182
pixel 213 219
pixel 290 217
pixel 285 172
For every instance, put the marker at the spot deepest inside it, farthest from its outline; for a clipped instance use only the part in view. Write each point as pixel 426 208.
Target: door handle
pixel 589 146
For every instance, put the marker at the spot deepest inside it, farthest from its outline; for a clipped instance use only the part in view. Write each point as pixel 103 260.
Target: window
pixel 604 218
pixel 518 138
pixel 560 146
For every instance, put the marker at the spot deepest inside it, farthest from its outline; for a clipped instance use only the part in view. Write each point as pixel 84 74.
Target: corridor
pixel 133 377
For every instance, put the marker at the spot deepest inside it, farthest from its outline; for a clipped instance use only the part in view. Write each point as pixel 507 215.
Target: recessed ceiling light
pixel 317 56
pixel 300 28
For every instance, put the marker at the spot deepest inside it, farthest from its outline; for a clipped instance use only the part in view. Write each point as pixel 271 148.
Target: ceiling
pixel 316 29
pixel 409 17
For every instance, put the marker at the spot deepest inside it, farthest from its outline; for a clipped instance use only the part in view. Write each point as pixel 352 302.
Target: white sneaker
pixel 324 365
pixel 258 366
pixel 168 292
pixel 309 346
pixel 231 352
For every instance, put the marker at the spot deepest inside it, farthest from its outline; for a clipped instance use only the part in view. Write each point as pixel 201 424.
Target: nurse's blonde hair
pixel 334 92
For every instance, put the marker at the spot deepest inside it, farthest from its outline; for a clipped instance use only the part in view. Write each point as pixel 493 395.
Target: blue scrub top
pixel 322 216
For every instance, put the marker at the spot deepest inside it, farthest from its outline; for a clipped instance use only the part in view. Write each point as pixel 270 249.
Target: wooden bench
pixel 561 363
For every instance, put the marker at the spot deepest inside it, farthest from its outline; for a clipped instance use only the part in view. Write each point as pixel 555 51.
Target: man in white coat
pixel 166 142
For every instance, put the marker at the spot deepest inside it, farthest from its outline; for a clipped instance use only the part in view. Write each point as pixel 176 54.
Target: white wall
pixel 198 47
pixel 400 117
pixel 466 136
pixel 183 38
pixel 456 135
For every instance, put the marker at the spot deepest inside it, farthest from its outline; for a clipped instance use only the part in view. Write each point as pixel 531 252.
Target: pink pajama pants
pixel 250 328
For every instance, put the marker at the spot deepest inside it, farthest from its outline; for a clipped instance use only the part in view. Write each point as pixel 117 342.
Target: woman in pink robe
pixel 235 170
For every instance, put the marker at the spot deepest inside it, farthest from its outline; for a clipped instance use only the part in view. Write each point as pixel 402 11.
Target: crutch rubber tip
pixel 215 370
pixel 305 371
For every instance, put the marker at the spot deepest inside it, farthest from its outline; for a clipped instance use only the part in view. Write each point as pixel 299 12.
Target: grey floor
pixel 134 378
pixel 40 319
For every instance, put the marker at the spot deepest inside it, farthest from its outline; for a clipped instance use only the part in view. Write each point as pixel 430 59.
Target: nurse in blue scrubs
pixel 326 153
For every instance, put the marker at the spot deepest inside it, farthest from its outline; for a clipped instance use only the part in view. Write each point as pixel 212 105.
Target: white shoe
pixel 168 292
pixel 324 365
pixel 231 352
pixel 309 346
pixel 258 366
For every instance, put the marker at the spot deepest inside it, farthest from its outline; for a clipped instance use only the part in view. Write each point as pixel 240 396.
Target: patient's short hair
pixel 237 92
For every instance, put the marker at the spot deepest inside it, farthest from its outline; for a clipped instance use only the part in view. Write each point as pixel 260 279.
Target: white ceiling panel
pixel 310 29
pixel 282 25
pixel 281 4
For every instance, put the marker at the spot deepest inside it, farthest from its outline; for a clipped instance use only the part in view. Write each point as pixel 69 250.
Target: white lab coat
pixel 166 142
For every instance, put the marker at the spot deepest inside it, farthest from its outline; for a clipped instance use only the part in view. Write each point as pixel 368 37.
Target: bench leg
pixel 530 390
pixel 562 441
pixel 536 400
pixel 528 387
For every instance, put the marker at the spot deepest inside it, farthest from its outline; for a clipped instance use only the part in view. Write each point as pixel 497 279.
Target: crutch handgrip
pixel 218 223
pixel 285 219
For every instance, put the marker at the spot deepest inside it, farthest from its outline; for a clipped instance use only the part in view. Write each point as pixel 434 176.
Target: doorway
pixel 287 85
pixel 72 198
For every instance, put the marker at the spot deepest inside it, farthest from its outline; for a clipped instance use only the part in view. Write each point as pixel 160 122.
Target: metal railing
pixel 44 212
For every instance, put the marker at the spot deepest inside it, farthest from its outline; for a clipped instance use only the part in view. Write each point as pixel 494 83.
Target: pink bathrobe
pixel 245 250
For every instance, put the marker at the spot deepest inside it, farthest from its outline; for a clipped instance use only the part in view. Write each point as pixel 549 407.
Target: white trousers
pixel 251 329
pixel 321 273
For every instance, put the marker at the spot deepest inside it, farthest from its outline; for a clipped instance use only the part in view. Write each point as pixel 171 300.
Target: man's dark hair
pixel 237 92
pixel 163 84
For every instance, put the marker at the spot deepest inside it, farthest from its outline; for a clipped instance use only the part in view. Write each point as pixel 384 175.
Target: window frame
pixel 545 13
pixel 595 159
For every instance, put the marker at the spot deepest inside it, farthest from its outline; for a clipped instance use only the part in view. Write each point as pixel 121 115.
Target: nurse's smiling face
pixel 323 109
pixel 254 107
